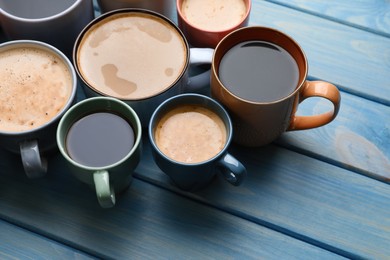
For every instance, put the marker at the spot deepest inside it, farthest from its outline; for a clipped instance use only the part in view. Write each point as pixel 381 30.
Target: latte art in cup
pixel 35 86
pixel 131 55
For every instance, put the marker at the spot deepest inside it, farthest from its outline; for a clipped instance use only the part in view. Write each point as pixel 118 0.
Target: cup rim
pixel 129 10
pixel 301 80
pixel 61 142
pixel 181 15
pixel 42 19
pixel 46 47
pixel 199 97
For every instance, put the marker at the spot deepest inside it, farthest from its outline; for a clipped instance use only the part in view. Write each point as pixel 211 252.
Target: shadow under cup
pixel 258 123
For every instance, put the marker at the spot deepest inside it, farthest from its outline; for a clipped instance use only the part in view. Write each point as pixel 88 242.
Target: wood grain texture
pixel 320 203
pixel 370 15
pixel 358 139
pixel 306 197
pixel 18 243
pixel 147 222
pixel 355 60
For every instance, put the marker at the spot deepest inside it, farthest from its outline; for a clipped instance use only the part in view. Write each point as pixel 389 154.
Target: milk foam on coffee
pixel 214 15
pixel 190 134
pixel 35 85
pixel 131 56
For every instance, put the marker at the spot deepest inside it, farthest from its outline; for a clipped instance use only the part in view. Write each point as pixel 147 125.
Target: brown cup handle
pixel 317 89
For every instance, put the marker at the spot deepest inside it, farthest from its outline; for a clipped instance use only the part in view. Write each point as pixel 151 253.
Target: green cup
pixel 110 178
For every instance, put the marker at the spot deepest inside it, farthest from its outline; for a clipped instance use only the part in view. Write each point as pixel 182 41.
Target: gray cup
pixel 31 143
pixel 58 23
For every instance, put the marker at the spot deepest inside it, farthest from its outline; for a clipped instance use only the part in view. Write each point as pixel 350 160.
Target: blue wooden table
pixel 315 194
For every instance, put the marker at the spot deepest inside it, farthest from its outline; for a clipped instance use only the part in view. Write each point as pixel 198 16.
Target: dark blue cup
pixel 192 176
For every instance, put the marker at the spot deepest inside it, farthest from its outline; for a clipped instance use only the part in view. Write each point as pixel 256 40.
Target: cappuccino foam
pixel 35 85
pixel 214 15
pixel 190 134
pixel 131 55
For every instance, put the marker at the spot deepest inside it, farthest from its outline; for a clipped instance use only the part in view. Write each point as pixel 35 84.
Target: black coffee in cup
pixel 99 139
pixel 259 71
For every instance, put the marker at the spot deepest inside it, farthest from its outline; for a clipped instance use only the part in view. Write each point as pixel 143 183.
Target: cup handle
pixel 317 89
pixel 34 165
pixel 199 56
pixel 232 170
pixel 104 192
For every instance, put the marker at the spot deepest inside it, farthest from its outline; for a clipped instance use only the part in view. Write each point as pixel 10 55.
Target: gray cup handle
pixel 232 170
pixel 34 165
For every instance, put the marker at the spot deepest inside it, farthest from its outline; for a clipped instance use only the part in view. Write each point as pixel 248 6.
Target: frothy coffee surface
pixel 190 134
pixel 214 15
pixel 131 55
pixel 35 85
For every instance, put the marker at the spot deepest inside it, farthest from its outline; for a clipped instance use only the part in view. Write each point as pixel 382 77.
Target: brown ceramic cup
pixel 258 123
pixel 205 23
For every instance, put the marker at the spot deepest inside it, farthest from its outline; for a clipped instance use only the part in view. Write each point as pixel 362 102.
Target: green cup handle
pixel 104 192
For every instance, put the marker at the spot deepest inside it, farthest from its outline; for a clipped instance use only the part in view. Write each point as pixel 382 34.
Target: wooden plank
pixel 18 243
pixel 322 204
pixel 370 15
pixel 147 222
pixel 355 60
pixel 358 139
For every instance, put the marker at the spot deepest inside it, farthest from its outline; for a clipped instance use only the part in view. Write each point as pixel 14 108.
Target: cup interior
pixel 182 15
pixel 44 47
pixel 257 33
pixel 183 100
pixel 125 61
pixel 95 105
pixel 34 9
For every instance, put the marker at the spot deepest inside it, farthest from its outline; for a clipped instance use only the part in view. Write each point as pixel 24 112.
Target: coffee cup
pixel 100 139
pixel 259 75
pixel 38 84
pixel 139 57
pixel 190 135
pixel 164 7
pixel 57 22
pixel 205 23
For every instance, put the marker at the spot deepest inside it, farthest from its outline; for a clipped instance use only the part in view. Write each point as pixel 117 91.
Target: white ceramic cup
pixel 58 23
pixel 32 142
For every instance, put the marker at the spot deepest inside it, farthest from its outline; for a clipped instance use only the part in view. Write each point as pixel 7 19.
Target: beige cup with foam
pixel 139 57
pixel 38 84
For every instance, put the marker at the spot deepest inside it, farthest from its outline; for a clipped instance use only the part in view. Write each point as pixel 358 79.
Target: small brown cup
pixel 260 123
pixel 207 37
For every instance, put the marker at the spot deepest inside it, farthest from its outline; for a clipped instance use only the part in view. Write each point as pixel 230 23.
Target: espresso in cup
pixel 190 134
pixel 35 86
pixel 100 139
pixel 259 71
pixel 215 15
pixel 131 55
